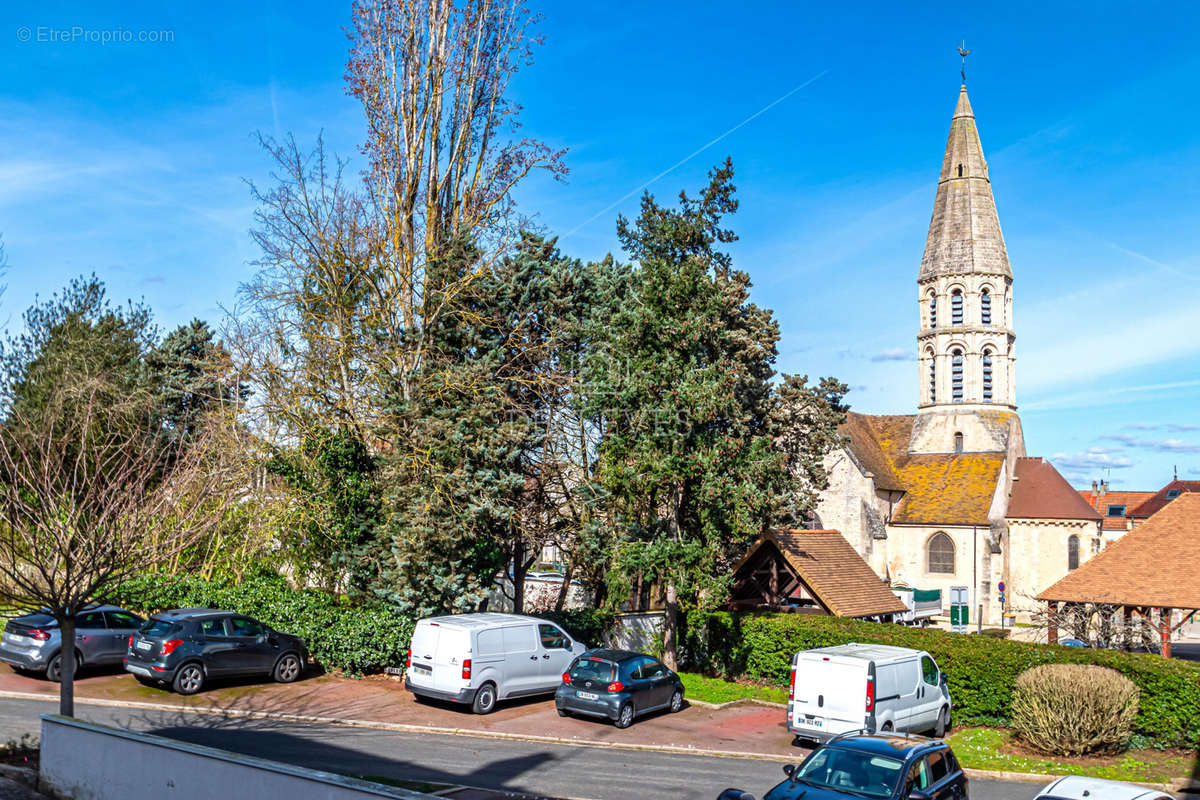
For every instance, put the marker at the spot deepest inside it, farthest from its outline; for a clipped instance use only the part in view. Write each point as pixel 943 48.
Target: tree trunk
pixel 66 689
pixel 564 589
pixel 518 578
pixel 671 629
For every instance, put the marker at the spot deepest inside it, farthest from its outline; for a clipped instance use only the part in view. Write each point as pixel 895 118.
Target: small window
pixel 1173 493
pixel 552 638
pixel 932 310
pixel 956 307
pixel 987 376
pixel 929 671
pixel 1073 553
pixel 240 626
pixel 940 554
pixel 937 767
pixel 213 627
pixel 119 620
pixel 1116 511
pixel 956 376
pixel 960 170
pixel 932 379
pixel 958 442
pixel 918 777
pixel 90 620
pixel 985 308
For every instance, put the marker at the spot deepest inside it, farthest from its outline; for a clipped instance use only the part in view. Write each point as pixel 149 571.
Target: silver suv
pixel 33 643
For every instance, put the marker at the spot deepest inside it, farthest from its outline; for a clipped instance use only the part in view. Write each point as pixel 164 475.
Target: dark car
pixel 619 685
pixel 875 766
pixel 33 642
pixel 186 647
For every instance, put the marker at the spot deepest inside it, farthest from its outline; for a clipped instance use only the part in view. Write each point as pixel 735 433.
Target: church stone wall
pixel 847 505
pixel 1036 557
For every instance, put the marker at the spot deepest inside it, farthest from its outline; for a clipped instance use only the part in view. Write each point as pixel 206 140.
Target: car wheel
pixel 54 669
pixel 625 716
pixel 943 723
pixel 562 712
pixel 189 679
pixel 677 702
pixel 288 668
pixel 485 699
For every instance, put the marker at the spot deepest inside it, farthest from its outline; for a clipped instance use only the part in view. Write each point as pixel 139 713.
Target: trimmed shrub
pixel 339 635
pixel 981 671
pixel 1072 709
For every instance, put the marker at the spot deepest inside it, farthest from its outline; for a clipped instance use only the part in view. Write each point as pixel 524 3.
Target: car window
pixel 937 766
pixel 918 777
pixel 951 762
pixel 929 670
pixel 213 627
pixel 157 627
pixel 123 619
pixel 593 669
pixel 851 771
pixel 641 669
pixel 92 619
pixel 655 669
pixel 552 637
pixel 240 626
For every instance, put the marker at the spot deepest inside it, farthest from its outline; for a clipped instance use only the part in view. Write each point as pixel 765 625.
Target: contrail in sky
pixel 683 161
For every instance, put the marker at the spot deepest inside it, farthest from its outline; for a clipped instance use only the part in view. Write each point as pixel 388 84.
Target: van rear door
pixel 453 648
pixel 829 694
pixel 422 650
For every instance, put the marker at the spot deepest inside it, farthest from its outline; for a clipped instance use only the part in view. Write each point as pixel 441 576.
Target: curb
pixel 1176 786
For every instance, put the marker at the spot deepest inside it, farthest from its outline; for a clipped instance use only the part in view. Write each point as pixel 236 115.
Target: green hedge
pixel 339 635
pixel 981 671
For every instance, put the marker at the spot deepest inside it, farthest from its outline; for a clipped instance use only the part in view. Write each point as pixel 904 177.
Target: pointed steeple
pixel 964 233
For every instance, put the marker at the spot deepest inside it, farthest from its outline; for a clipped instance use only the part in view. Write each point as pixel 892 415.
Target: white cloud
pixel 894 354
pixel 1089 462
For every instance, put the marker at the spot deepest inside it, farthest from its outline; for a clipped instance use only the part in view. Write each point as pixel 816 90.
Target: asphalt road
pixel 560 771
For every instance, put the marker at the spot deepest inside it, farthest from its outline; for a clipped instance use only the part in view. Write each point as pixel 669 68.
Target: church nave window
pixel 985 308
pixel 940 554
pixel 987 376
pixel 958 442
pixel 956 307
pixel 1073 553
pixel 956 376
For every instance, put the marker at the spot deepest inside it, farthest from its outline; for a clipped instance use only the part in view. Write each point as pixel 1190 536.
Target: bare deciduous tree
pixel 92 495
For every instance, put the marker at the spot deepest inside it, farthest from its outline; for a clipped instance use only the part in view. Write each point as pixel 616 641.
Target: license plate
pixel 423 668
pixel 143 646
pixel 815 722
pixel 13 638
pixel 586 695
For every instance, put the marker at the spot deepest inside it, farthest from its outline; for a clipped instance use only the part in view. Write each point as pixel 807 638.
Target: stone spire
pixel 964 233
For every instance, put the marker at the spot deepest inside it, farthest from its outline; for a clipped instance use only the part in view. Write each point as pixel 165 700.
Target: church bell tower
pixel 965 346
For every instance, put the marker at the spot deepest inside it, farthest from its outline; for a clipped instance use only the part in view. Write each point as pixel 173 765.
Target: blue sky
pixel 131 160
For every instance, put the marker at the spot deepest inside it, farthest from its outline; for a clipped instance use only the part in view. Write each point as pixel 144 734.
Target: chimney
pixel 1103 488
pixel 1094 489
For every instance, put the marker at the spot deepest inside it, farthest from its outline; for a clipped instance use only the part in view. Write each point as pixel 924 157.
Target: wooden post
pixel 1164 625
pixel 1052 623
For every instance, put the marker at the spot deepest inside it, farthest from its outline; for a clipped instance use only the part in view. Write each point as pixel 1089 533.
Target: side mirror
pixel 942 679
pixel 788 769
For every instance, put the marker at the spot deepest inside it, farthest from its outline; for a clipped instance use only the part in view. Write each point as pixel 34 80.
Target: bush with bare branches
pixel 1072 709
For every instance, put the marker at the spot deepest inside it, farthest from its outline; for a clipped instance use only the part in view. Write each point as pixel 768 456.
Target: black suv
pixel 876 766
pixel 185 647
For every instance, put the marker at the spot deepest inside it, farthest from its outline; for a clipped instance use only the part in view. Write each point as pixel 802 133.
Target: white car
pixel 1077 787
pixel 477 659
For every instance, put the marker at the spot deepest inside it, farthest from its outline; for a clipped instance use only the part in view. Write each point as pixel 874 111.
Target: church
pixel 947 496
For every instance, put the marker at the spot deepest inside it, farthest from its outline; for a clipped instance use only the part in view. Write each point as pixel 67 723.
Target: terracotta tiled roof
pixel 834 572
pixel 939 489
pixel 1155 564
pixel 1155 502
pixel 1040 492
pixel 1102 502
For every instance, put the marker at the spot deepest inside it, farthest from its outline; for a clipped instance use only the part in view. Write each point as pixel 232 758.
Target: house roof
pixel 939 488
pixel 1102 503
pixel 1155 564
pixel 1040 492
pixel 833 571
pixel 1156 501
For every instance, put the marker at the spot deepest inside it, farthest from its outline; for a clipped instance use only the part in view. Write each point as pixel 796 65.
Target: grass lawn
pixel 989 748
pixel 715 690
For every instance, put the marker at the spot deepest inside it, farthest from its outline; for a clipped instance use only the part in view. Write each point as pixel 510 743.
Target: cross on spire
pixel 964 52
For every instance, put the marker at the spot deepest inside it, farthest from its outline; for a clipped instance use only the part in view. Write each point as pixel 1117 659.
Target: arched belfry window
pixel 985 307
pixel 958 442
pixel 987 376
pixel 939 554
pixel 1073 553
pixel 956 307
pixel 932 309
pixel 960 170
pixel 956 375
pixel 932 376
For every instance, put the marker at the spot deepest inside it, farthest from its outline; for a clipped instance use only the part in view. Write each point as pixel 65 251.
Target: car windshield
pixel 851 771
pixel 157 627
pixel 594 669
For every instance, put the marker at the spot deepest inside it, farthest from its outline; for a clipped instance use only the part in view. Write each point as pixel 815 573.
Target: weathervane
pixel 964 52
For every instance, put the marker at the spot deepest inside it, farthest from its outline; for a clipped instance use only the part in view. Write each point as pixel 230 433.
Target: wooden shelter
pixel 810 572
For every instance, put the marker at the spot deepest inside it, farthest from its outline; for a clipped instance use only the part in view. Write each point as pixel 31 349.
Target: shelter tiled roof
pixel 1040 492
pixel 1155 564
pixel 939 488
pixel 834 572
pixel 1155 502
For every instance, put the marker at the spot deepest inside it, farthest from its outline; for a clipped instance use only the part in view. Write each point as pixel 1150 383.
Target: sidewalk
pixel 747 729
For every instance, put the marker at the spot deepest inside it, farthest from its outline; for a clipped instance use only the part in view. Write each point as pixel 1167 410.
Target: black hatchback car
pixel 619 685
pixel 186 647
pixel 875 766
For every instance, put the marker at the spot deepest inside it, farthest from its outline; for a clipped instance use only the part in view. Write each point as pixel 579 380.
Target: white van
pixel 481 658
pixel 871 687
